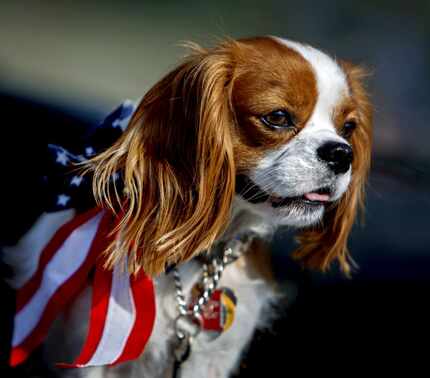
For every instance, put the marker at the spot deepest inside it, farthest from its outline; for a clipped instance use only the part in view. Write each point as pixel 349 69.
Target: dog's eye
pixel 348 128
pixel 278 119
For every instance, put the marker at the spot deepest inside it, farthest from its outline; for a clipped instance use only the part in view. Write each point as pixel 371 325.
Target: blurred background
pixel 65 64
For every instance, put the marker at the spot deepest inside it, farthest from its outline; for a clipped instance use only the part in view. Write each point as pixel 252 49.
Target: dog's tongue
pixel 317 197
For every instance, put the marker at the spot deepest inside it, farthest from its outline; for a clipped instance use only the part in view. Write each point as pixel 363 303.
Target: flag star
pixel 62 158
pixel 62 200
pixel 89 151
pixel 128 103
pixel 121 123
pixel 76 180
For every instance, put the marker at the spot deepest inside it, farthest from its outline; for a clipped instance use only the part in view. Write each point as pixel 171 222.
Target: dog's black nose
pixel 337 155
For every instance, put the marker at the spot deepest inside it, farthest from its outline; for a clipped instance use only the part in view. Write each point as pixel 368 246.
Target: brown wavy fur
pixel 178 168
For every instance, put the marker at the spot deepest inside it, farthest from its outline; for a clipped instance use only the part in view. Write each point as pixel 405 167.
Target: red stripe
pixel 101 285
pixel 64 293
pixel 99 307
pixel 26 292
pixel 144 300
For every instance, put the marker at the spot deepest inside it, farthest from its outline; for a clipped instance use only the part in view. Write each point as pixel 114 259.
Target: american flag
pixel 68 240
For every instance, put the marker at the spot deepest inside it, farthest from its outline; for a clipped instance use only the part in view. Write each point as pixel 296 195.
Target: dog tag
pixel 218 313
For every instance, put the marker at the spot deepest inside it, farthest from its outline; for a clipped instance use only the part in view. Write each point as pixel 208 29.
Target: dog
pixel 239 139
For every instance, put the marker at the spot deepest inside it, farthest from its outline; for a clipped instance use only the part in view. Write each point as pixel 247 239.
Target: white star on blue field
pixel 76 180
pixel 66 186
pixel 62 200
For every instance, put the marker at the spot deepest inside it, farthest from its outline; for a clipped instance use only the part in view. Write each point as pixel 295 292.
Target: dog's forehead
pixel 271 75
pixel 332 85
pixel 278 68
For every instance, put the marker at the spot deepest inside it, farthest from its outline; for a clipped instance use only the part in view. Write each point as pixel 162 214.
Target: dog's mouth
pixel 315 198
pixel 251 192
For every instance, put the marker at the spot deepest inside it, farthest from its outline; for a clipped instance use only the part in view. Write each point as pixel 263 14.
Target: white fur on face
pixel 295 168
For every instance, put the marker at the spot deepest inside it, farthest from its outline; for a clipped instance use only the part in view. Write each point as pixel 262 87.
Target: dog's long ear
pixel 320 246
pixel 176 158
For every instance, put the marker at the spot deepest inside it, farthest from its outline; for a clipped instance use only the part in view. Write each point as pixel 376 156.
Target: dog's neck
pixel 244 220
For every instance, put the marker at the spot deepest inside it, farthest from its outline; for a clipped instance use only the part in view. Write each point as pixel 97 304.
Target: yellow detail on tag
pixel 229 308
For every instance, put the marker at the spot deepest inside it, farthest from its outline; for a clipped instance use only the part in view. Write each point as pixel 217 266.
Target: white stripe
pixel 331 83
pixel 24 256
pixel 62 266
pixel 119 322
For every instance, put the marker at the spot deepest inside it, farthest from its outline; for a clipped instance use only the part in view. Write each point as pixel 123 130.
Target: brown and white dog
pixel 250 135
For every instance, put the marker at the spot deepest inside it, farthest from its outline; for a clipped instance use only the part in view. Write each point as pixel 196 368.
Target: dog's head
pixel 280 125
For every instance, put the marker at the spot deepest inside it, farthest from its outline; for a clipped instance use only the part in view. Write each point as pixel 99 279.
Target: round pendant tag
pixel 218 313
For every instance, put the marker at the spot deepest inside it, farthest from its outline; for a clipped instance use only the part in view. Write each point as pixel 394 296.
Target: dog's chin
pixel 299 213
pixel 295 214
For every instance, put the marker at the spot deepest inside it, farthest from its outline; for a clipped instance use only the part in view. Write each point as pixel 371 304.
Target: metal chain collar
pixel 213 269
pixel 210 279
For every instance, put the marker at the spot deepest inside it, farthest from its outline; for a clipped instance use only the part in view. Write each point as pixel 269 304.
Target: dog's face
pixel 279 125
pixel 295 115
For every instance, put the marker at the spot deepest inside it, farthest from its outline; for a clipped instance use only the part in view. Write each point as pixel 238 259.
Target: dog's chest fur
pixel 218 357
